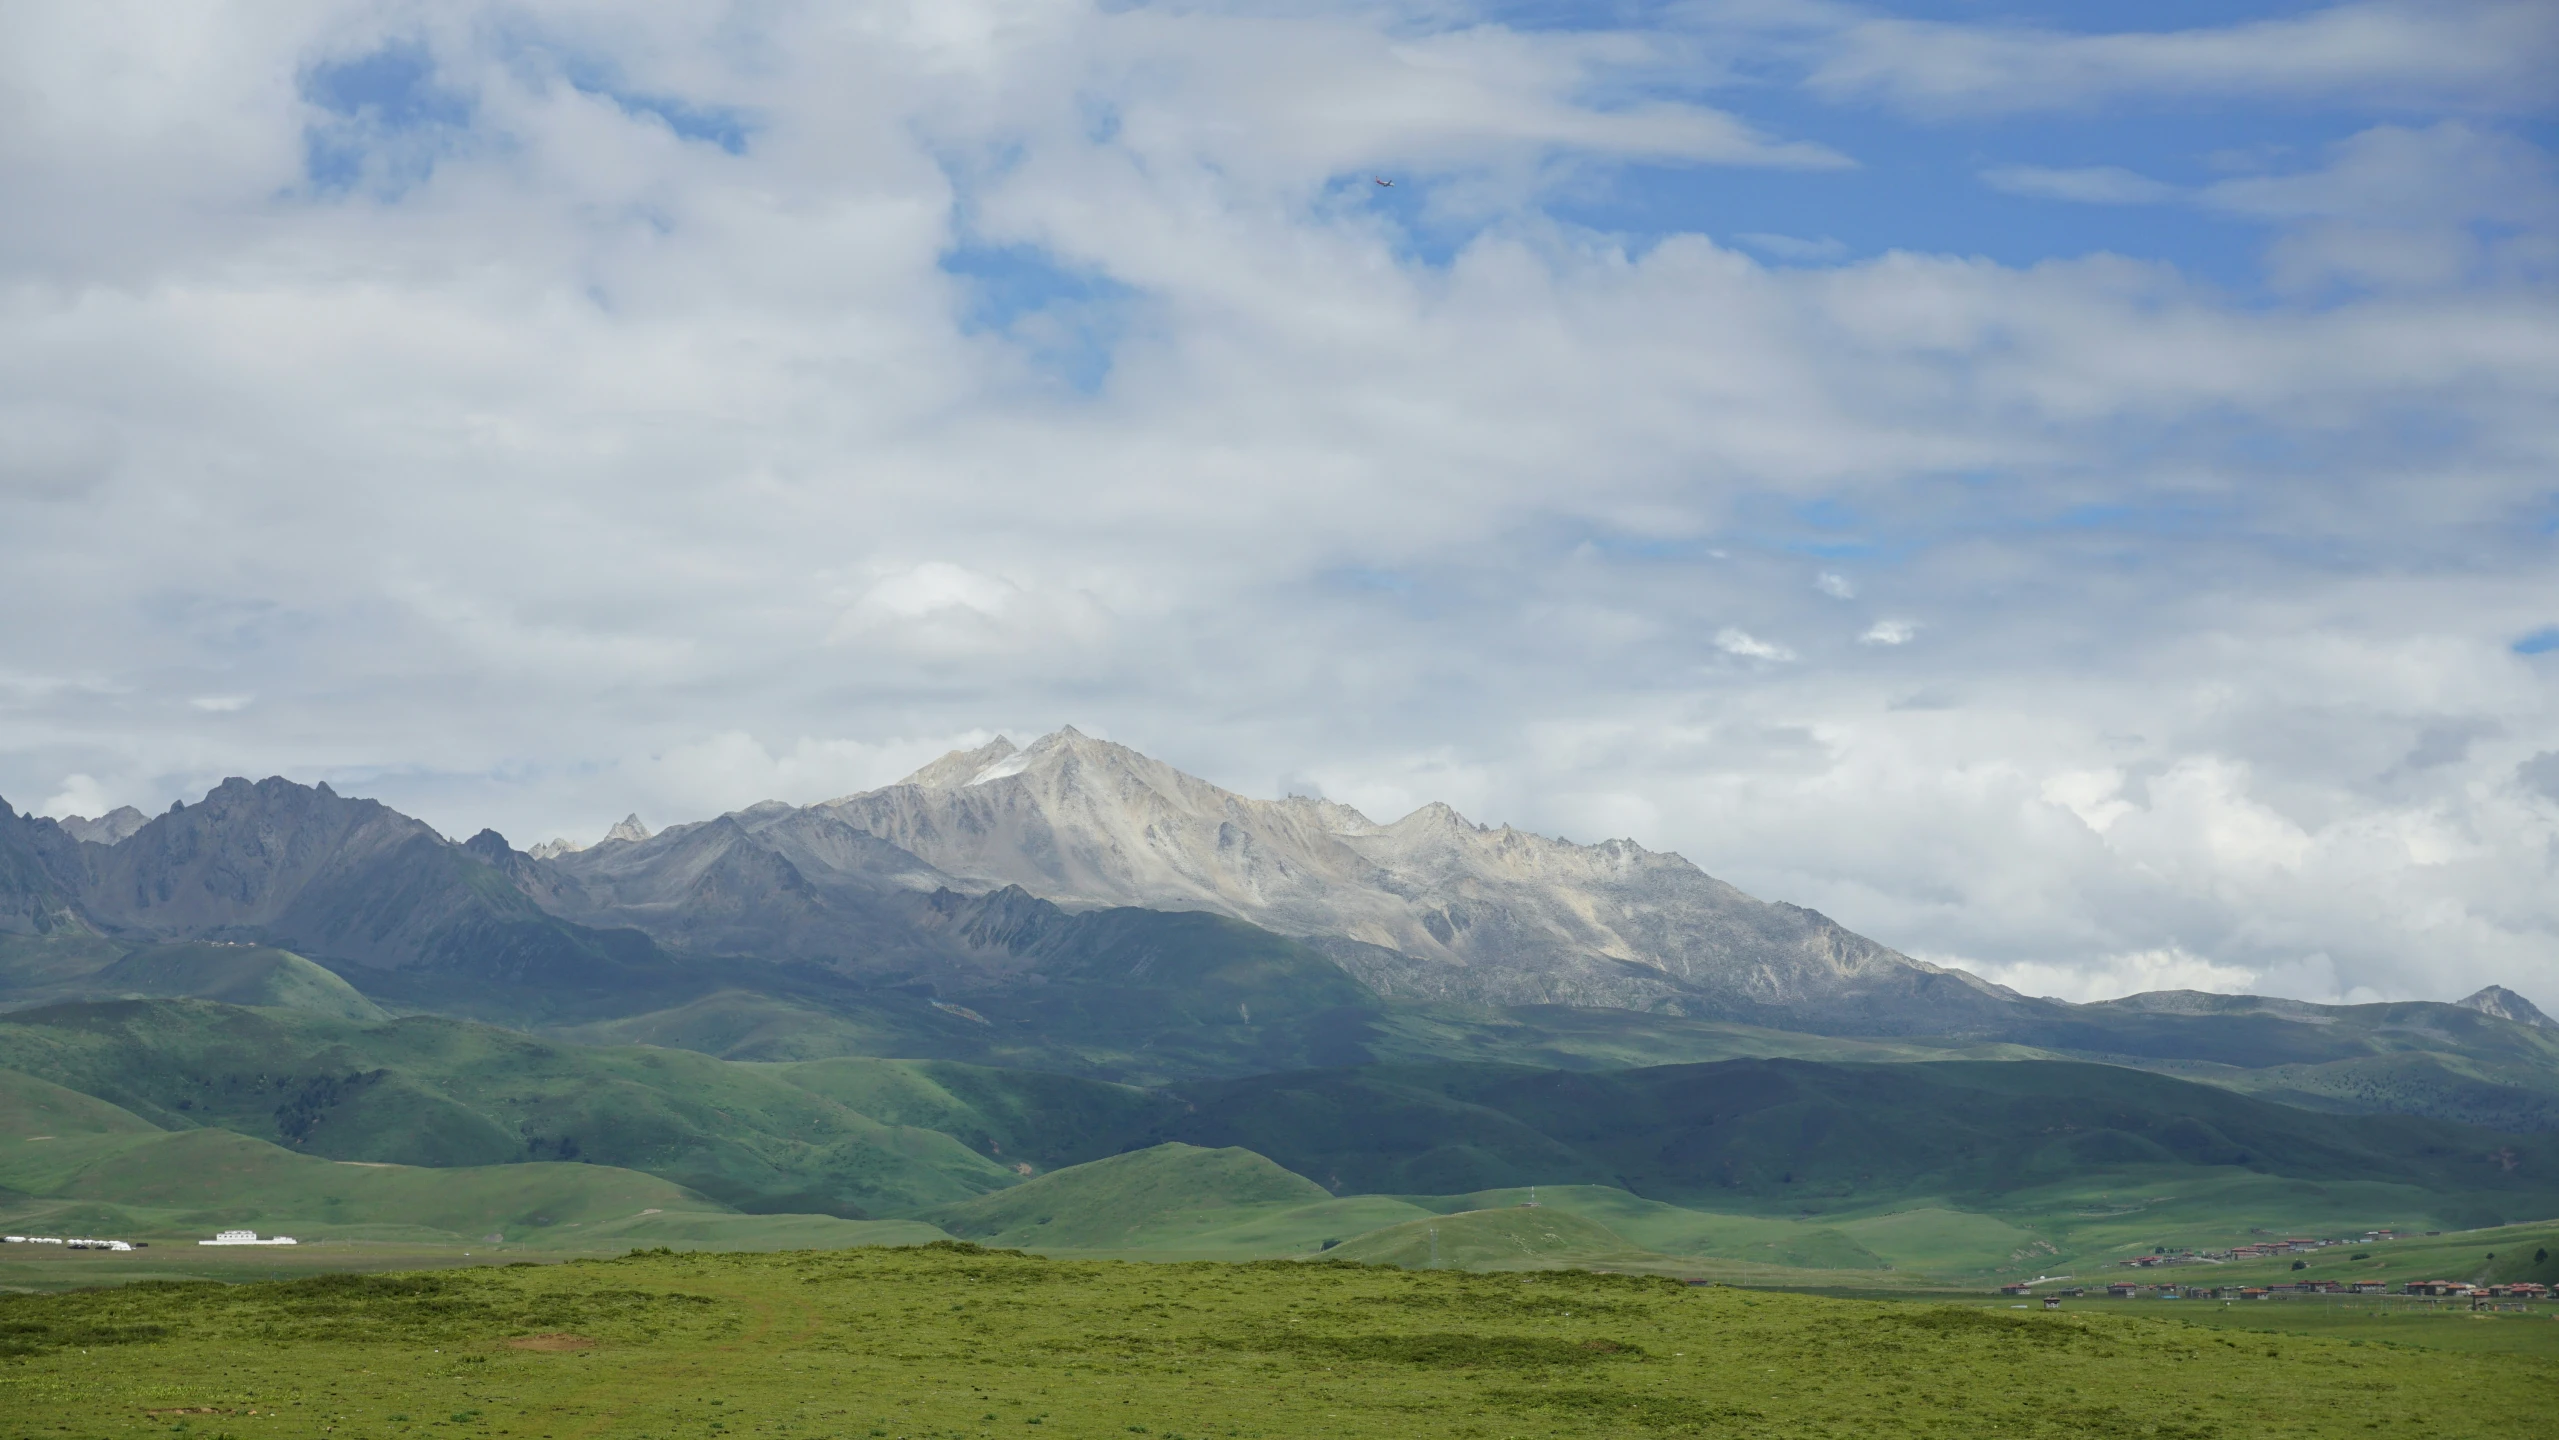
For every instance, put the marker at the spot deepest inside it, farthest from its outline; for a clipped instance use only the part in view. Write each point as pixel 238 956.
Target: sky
pixel 2066 490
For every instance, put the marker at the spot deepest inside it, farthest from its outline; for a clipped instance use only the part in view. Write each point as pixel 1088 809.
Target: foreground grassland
pixel 946 1341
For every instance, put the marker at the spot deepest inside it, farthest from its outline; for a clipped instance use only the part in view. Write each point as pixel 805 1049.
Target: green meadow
pixel 951 1341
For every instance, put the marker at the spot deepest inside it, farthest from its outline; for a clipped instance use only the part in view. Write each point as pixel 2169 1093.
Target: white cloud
pixel 1835 585
pixel 2095 796
pixel 939 608
pixel 220 704
pixel 1749 646
pixel 2391 206
pixel 79 795
pixel 2400 207
pixel 938 588
pixel 2486 53
pixel 2400 175
pixel 606 470
pixel 2114 976
pixel 2088 185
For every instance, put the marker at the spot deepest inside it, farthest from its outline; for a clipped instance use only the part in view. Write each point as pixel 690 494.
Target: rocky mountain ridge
pixel 1430 906
pixel 960 877
pixel 2505 1004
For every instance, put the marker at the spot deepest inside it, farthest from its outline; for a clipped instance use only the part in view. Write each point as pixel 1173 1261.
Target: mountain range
pixel 1078 907
pixel 1430 907
pixel 1067 996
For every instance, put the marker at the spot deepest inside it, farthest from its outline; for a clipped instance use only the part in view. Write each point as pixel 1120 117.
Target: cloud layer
pixel 530 413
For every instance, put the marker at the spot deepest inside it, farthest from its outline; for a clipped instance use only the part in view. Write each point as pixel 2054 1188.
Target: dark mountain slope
pixel 787 886
pixel 362 888
pixel 1796 1133
pixel 2261 1030
pixel 1135 995
pixel 35 858
pixel 344 880
pixel 2453 1062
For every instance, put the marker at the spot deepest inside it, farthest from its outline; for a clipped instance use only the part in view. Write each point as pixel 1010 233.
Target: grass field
pixel 948 1342
pixel 2420 1324
pixel 41 1269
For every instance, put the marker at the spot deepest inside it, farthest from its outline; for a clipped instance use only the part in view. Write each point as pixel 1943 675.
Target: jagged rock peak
pixel 1437 815
pixel 630 829
pixel 963 767
pixel 2505 1004
pixel 553 849
pixel 1061 750
pixel 112 828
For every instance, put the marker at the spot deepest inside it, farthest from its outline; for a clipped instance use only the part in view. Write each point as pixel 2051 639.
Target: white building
pixel 246 1237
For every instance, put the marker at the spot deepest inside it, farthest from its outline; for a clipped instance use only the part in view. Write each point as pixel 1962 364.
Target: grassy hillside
pixel 945 1342
pixel 72 1164
pixel 2409 1058
pixel 1963 1170
pixel 1515 1238
pixel 1131 995
pixel 235 975
pixel 1674 1230
pixel 51 969
pixel 425 1090
pixel 38 968
pixel 1564 1037
pixel 1788 1136
pixel 2506 1253
pixel 2500 1092
pixel 1010 1115
pixel 734 1023
pixel 2255 1031
pixel 1128 1201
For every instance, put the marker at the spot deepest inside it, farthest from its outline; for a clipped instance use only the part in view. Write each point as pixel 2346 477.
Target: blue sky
pixel 2065 489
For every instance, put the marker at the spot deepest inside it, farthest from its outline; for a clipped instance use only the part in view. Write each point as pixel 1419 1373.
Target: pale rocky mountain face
pixel 2505 1004
pixel 112 828
pixel 1428 906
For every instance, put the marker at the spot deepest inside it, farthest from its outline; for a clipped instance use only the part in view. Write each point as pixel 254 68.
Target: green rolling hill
pixel 73 1163
pixel 254 975
pixel 431 1091
pixel 1955 1169
pixel 1790 1136
pixel 65 966
pixel 1515 1238
pixel 1140 1200
pixel 1012 1116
